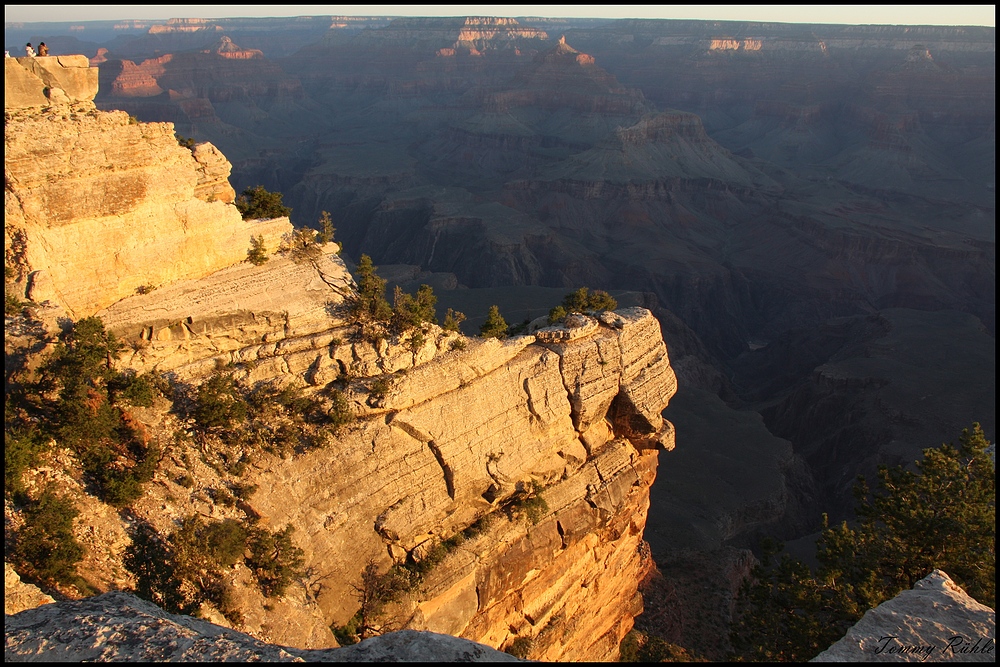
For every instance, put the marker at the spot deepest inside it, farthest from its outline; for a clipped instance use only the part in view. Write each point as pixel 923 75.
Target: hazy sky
pixel 864 14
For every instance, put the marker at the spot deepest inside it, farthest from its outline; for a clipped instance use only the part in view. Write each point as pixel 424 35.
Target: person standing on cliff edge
pixel 42 49
pixel 28 51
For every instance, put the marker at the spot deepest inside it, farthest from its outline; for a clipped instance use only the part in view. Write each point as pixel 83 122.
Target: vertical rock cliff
pixel 514 474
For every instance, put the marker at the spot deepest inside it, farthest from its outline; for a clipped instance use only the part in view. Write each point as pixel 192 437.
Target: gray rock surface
pixel 17 595
pixel 120 627
pixel 935 621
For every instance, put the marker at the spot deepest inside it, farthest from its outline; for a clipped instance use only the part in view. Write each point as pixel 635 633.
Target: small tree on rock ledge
pixel 495 325
pixel 256 203
pixel 257 254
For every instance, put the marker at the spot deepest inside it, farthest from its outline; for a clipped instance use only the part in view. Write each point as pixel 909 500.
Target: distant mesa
pixel 488 33
pixel 184 25
pixel 227 49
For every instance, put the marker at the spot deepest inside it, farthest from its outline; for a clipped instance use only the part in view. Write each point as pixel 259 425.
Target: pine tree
pixel 369 304
pixel 452 320
pixel 326 229
pixel 256 203
pixel 495 326
pixel 585 301
pixel 257 254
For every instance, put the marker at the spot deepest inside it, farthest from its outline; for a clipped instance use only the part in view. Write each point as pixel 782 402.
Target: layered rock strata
pixel 458 439
pixel 47 80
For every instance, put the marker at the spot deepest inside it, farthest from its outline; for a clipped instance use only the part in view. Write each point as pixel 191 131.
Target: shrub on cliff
pixel 274 559
pixel 585 301
pixel 150 560
pixel 257 253
pixel 411 311
pixel 326 229
pixel 452 320
pixel 942 516
pixel 88 414
pixel 256 203
pixel 219 403
pixel 495 325
pixel 369 305
pixel 21 448
pixel 45 548
pixel 301 245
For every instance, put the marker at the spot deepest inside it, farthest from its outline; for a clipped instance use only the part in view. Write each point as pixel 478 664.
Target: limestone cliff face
pixel 99 205
pixel 47 80
pixel 452 442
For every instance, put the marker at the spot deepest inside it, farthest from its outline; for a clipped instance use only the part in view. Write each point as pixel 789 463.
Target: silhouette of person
pixel 28 51
pixel 42 49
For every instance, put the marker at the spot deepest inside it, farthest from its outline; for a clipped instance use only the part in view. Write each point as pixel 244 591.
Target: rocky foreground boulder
pixel 119 627
pixel 935 621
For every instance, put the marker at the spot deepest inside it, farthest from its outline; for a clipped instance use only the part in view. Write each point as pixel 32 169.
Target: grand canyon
pixel 797 222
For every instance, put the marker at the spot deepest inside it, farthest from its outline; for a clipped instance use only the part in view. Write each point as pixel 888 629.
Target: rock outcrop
pixel 79 180
pixel 18 596
pixel 46 80
pixel 78 631
pixel 936 621
pixel 456 440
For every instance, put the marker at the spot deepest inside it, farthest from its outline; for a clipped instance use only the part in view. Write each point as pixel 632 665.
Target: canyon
pixel 807 210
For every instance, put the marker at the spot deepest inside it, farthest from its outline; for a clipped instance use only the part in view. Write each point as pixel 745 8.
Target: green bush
pixel 21 449
pixel 495 325
pixel 301 245
pixel 347 634
pixel 256 203
pixel 219 402
pixel 557 315
pixel 584 301
pixel 45 548
pixel 535 507
pixel 138 390
pixel 224 541
pixel 411 311
pixel 201 548
pixel 326 229
pixel 257 253
pixel 151 562
pixel 452 320
pixel 340 413
pixel 520 647
pixel 369 304
pixel 275 560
